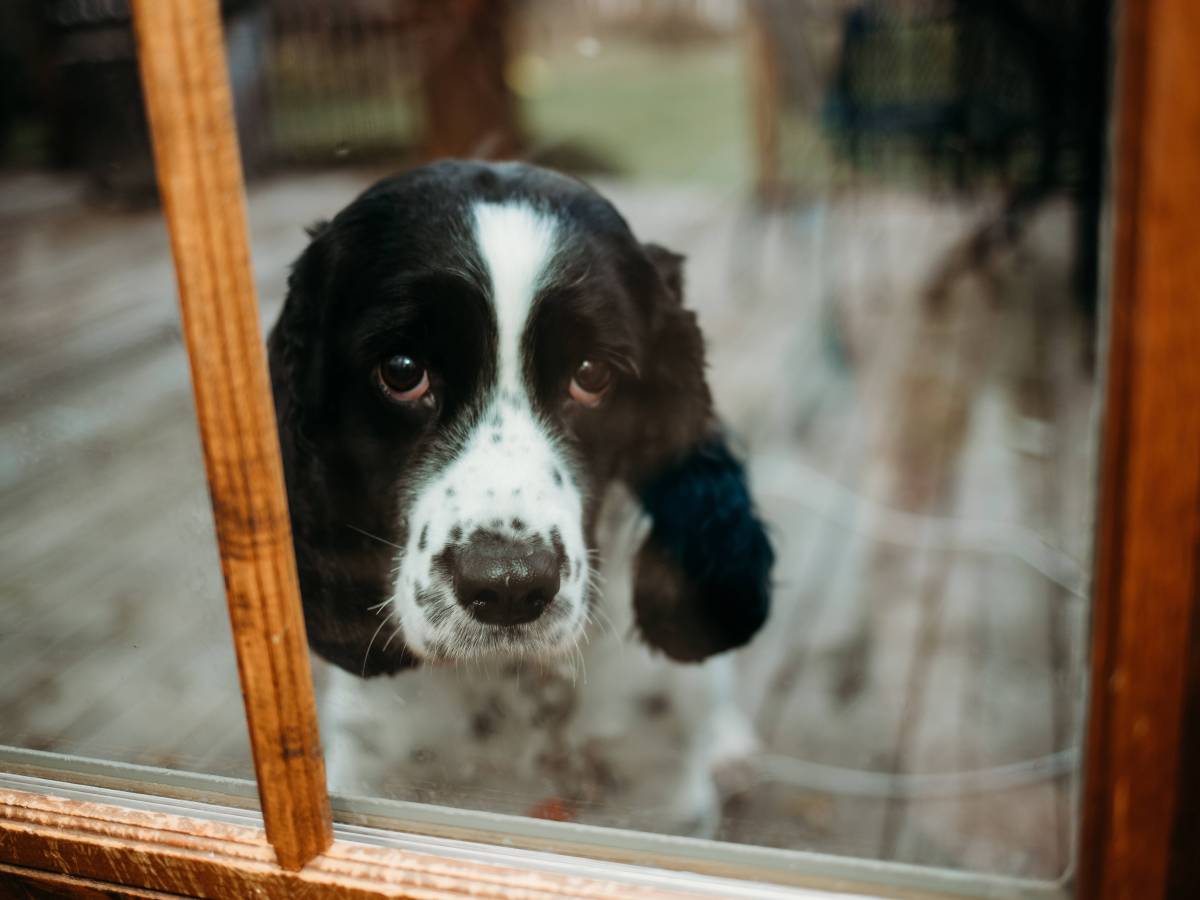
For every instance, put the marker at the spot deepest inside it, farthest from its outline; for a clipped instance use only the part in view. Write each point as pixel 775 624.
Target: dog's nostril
pixel 485 598
pixel 504 582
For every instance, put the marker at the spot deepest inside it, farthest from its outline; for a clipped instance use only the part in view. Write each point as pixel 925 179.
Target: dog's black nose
pixel 505 582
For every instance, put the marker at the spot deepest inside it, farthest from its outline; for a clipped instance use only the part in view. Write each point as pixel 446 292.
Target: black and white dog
pixel 506 475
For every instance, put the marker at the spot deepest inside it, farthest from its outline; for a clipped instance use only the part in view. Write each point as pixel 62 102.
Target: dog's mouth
pixel 438 628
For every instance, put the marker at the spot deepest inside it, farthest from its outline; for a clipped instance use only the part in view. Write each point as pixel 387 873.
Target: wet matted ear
pixel 339 569
pixel 294 346
pixel 703 575
pixel 703 583
pixel 672 401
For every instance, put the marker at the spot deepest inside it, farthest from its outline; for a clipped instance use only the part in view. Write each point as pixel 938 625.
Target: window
pixel 891 215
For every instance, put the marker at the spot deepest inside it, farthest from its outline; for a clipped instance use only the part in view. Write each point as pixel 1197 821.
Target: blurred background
pixel 891 212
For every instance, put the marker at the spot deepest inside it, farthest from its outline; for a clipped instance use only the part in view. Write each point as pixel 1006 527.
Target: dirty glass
pixel 114 640
pixel 885 216
pixel 817 600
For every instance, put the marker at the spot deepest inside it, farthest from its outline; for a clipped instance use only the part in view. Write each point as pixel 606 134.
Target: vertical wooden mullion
pixel 1147 572
pixel 189 103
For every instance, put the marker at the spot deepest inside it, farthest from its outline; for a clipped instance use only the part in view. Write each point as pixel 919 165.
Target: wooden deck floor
pixel 927 471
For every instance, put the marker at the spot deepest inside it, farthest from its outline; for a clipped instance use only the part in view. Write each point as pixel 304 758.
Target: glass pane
pixel 114 638
pixel 534 558
pixel 888 217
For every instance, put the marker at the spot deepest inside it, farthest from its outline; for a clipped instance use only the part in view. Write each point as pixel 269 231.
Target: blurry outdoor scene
pixel 890 210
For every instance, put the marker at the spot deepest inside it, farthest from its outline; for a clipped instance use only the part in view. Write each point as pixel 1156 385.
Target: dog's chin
pixel 456 637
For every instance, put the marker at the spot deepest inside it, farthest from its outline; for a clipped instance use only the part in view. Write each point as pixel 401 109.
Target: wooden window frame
pixel 1141 799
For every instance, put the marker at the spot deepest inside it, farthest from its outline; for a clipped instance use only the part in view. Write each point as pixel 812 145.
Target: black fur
pixel 704 576
pixel 397 271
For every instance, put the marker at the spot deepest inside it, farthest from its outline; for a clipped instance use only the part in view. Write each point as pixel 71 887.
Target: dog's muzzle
pixel 501 581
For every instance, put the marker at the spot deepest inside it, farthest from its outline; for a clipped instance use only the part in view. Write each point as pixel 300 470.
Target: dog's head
pixel 467 356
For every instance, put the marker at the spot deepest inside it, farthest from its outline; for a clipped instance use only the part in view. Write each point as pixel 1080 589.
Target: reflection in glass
pixel 114 639
pixel 888 213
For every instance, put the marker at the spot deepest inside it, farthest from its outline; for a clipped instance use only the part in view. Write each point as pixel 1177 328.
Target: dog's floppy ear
pixel 294 346
pixel 703 583
pixel 703 575
pixel 339 568
pixel 672 402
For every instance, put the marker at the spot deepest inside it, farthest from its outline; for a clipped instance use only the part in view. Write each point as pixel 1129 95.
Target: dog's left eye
pixel 402 378
pixel 591 382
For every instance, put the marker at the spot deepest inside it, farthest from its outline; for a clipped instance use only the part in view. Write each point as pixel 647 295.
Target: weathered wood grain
pixel 1147 573
pixel 202 858
pixel 31 884
pixel 185 81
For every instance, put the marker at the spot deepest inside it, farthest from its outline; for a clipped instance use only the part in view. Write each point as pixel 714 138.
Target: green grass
pixel 647 112
pixel 335 126
pixel 658 114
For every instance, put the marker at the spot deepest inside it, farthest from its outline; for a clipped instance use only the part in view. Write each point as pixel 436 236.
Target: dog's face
pixel 467 356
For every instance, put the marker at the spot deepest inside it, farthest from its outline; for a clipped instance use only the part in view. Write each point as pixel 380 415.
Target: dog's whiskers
pixel 373 537
pixel 578 664
pixel 605 619
pixel 391 638
pixel 363 671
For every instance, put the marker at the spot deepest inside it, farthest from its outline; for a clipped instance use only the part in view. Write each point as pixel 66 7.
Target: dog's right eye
pixel 591 382
pixel 402 378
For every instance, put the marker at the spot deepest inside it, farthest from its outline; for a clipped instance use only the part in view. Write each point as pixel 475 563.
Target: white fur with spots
pixel 618 736
pixel 509 477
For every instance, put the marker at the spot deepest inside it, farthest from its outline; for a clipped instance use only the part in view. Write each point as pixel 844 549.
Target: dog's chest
pixel 523 740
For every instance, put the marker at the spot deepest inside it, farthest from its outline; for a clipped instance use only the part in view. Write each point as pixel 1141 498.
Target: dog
pixel 522 539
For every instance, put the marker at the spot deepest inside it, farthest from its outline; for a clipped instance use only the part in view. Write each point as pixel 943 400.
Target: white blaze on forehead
pixel 517 244
pixel 509 477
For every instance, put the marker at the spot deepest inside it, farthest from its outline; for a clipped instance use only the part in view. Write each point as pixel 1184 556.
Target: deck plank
pixel 896 645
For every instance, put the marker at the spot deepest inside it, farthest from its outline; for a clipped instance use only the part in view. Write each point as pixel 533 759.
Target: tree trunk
pixel 469 109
